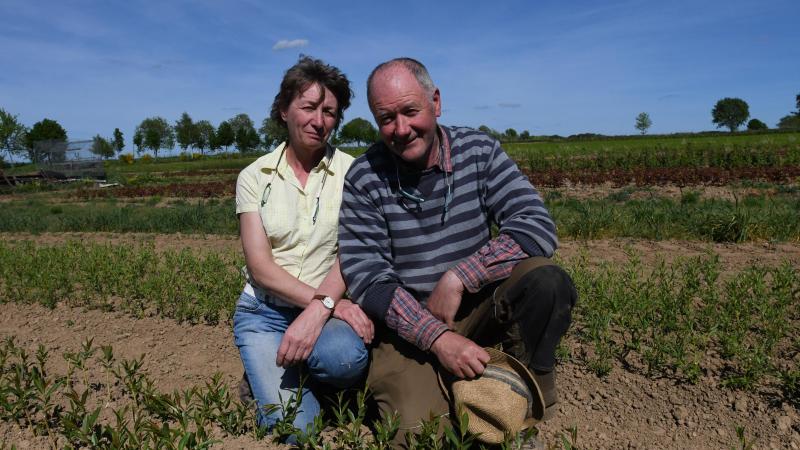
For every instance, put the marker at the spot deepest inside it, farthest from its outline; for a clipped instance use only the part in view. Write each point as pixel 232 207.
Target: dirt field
pixel 623 411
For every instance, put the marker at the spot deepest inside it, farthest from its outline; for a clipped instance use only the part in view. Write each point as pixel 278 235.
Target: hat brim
pixel 497 356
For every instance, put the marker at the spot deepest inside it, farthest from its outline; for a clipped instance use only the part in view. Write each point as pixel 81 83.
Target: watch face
pixel 328 302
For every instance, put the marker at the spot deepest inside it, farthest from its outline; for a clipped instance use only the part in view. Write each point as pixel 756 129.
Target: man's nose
pixel 402 128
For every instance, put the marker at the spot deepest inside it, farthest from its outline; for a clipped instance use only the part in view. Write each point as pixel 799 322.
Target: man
pixel 417 251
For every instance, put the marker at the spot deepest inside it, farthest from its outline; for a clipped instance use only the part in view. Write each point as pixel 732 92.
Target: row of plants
pixel 74 410
pixel 662 176
pixel 711 151
pixel 180 216
pixel 756 217
pixel 183 285
pixel 142 188
pixel 672 317
pixel 222 184
pixel 685 320
pixel 771 217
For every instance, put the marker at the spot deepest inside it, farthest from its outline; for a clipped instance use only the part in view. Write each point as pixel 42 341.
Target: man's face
pixel 405 115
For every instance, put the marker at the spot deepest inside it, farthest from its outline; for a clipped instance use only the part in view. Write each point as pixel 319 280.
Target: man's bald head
pixel 413 66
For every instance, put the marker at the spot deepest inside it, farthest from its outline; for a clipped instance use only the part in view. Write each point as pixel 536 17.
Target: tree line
pixel 156 133
pixel 731 112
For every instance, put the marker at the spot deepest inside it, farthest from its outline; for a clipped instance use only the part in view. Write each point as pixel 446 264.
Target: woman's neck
pixel 303 162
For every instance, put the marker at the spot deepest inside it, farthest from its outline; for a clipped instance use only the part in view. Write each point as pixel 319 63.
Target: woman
pixel 291 319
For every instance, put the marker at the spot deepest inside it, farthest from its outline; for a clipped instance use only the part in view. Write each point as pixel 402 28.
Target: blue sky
pixel 551 67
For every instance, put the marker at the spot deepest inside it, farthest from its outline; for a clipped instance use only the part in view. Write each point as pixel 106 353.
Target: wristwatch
pixel 327 302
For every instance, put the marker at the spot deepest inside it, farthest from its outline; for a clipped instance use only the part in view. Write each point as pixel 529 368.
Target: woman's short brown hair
pixel 300 76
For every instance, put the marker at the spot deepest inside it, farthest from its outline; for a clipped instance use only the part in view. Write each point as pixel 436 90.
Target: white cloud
pixel 294 43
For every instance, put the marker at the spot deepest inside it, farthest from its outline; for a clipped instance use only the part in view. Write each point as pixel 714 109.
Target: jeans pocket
pixel 247 303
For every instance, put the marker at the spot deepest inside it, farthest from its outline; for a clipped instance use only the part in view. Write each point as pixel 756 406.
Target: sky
pixel 549 67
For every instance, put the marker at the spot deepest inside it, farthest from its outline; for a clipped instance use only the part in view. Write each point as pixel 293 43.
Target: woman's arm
pixel 262 267
pixel 345 309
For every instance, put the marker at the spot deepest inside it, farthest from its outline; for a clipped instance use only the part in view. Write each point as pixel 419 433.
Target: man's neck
pixel 434 153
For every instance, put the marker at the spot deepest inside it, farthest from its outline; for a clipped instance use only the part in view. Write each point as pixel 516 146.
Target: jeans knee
pixel 341 370
pixel 339 362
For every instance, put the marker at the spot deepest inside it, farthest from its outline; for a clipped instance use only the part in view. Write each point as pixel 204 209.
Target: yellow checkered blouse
pixel 303 248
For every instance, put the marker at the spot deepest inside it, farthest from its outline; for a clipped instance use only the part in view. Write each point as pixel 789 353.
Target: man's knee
pixel 553 283
pixel 540 279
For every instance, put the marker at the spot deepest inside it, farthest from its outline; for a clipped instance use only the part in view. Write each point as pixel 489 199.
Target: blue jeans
pixel 339 358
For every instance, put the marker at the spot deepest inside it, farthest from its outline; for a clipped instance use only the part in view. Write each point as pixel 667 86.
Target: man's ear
pixel 437 102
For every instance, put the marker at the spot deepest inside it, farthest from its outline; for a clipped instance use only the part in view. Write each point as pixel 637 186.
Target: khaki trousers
pixel 403 378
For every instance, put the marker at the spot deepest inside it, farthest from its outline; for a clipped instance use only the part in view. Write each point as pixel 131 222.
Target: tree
pixel 790 122
pixel 525 135
pixel 755 125
pixel 204 135
pixel 185 132
pixel 730 112
pixel 643 122
pixel 45 136
pixel 154 133
pixel 119 141
pixel 225 135
pixel 247 140
pixel 102 147
pixel 797 99
pixel 12 134
pixel 245 136
pixel 490 131
pixel 138 141
pixel 510 134
pixel 272 133
pixel 359 131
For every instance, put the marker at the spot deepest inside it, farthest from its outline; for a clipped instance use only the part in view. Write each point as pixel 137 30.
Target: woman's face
pixel 310 119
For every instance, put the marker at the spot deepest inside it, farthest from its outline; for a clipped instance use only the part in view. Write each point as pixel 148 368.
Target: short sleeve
pixel 247 196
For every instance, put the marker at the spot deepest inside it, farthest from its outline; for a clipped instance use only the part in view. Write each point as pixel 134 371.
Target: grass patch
pixel 36 216
pixel 773 218
pixel 761 217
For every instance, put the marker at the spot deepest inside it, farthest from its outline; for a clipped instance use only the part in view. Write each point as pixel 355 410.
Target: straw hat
pixel 505 399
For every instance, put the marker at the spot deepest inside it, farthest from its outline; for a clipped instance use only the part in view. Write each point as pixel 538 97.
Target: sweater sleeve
pixel 515 205
pixel 364 246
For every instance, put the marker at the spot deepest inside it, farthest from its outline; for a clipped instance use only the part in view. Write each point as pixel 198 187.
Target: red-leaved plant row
pixel 679 176
pixel 196 190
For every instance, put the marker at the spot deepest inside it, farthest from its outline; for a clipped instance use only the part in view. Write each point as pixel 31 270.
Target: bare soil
pixel 624 410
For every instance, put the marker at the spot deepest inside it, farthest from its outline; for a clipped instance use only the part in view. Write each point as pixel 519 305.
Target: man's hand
pixel 459 355
pixel 356 318
pixel 446 298
pixel 302 334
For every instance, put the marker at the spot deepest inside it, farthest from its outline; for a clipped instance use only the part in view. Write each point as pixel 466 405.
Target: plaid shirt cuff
pixel 412 322
pixel 494 261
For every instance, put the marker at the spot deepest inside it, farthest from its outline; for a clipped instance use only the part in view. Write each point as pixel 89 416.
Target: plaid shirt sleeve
pixel 412 321
pixel 494 261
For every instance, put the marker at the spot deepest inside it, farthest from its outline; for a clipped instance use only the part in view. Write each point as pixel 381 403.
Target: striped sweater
pixel 387 241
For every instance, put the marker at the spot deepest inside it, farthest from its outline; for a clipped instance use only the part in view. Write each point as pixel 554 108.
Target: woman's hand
pixel 356 318
pixel 302 334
